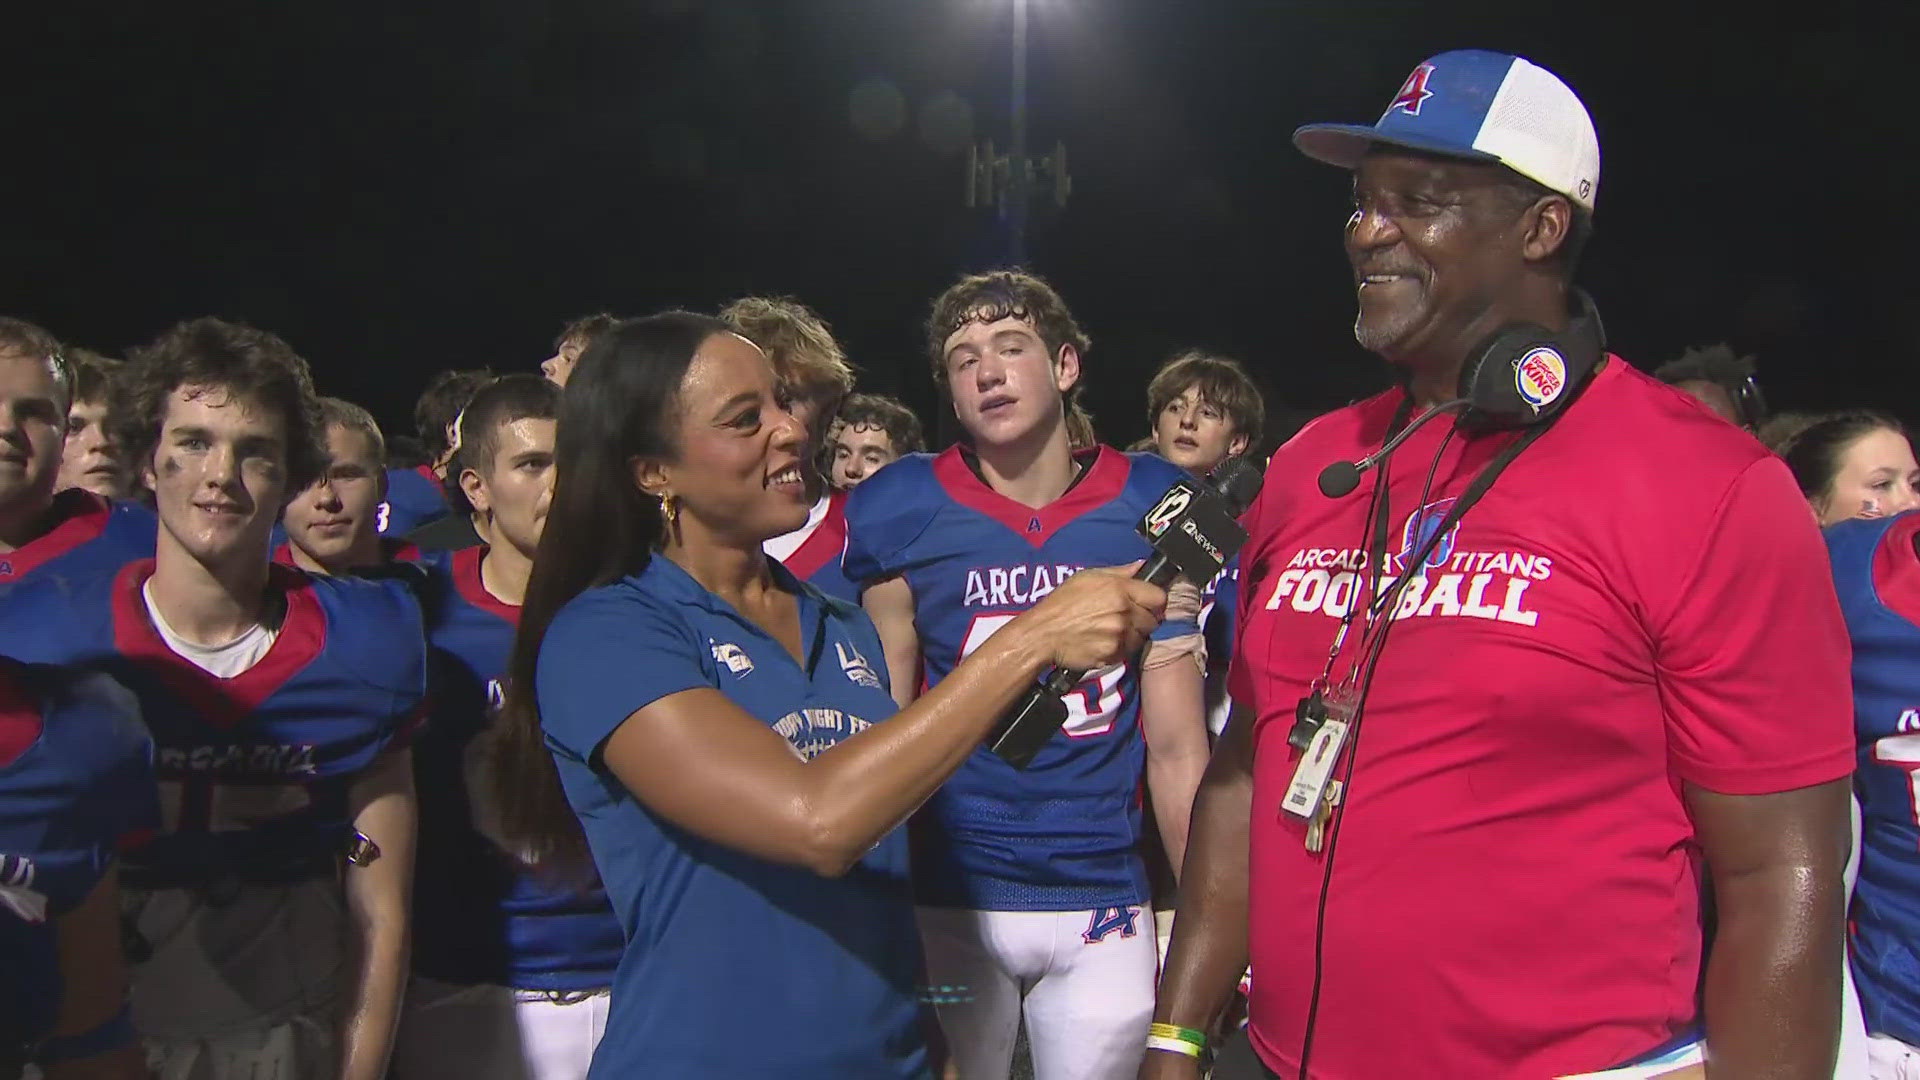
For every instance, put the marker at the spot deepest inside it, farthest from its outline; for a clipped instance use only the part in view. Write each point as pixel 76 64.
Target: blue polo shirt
pixel 734 966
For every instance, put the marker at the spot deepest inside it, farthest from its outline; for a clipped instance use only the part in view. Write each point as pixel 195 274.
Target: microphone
pixel 1340 478
pixel 1194 530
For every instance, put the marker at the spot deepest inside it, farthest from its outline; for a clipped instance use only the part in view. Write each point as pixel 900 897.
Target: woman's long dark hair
pixel 1814 452
pixel 618 406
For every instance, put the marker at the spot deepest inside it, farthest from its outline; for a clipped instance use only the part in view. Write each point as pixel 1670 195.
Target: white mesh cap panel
pixel 1539 129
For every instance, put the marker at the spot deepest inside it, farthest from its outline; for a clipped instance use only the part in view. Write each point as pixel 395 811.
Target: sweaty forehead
pixel 524 434
pixel 219 406
pixel 984 324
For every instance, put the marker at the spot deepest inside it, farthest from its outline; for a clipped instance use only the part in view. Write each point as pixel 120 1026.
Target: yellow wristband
pixel 1185 1035
pixel 1175 1046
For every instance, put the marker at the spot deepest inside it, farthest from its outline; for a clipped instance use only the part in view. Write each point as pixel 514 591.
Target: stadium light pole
pixel 1006 183
pixel 1017 212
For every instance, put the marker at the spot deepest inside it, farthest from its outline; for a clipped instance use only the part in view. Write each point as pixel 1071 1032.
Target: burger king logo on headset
pixel 1540 376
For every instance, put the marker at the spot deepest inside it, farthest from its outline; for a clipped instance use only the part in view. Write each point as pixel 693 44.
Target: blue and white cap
pixel 1479 106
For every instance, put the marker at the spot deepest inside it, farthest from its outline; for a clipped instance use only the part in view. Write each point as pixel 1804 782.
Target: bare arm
pixel 1773 981
pixel 890 605
pixel 1208 953
pixel 697 759
pixel 379 895
pixel 1173 717
pixel 94 989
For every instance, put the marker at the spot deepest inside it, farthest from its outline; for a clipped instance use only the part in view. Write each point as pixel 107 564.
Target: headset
pixel 1520 376
pixel 1523 374
pixel 1748 402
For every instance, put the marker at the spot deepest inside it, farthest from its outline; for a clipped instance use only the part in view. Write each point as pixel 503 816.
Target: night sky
pixel 406 187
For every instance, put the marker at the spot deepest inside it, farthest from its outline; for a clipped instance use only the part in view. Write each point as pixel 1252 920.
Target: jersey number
pixel 1902 752
pixel 383 516
pixel 1091 706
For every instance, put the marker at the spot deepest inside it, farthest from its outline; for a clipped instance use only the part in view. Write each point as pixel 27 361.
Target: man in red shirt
pixel 1620 660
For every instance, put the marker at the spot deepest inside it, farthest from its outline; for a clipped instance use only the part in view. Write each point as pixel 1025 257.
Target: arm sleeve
pixel 1178 634
pixel 409 642
pixel 1751 648
pixel 607 655
pixel 884 514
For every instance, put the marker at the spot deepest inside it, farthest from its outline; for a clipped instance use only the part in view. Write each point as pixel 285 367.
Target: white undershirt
pixel 783 547
pixel 223 661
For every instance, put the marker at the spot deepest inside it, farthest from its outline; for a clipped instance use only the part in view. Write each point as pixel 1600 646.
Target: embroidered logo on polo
pixel 858 670
pixel 731 656
pixel 813 732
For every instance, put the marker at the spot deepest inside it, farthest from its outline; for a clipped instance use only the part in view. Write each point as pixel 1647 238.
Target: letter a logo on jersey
pixel 1106 920
pixel 1413 92
pixel 1172 505
pixel 1419 531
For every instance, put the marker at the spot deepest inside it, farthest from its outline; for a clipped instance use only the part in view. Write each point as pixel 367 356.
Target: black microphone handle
pixel 1157 570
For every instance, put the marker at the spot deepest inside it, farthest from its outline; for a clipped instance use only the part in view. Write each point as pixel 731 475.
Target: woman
pixel 717 726
pixel 1853 465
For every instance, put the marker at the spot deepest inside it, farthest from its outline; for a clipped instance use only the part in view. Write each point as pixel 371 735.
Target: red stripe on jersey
pixel 1896 569
pixel 79 516
pixel 466 579
pixel 226 702
pixel 825 544
pixel 1105 478
pixel 20 719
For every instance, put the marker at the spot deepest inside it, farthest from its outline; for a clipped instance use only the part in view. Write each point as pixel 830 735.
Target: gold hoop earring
pixel 669 511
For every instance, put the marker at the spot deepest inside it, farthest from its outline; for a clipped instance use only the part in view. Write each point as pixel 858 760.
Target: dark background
pixel 406 187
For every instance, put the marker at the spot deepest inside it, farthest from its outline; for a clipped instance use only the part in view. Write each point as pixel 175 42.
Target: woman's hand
pixel 1094 618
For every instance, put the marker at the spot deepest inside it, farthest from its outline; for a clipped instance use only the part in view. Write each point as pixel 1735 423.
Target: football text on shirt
pixel 1470 584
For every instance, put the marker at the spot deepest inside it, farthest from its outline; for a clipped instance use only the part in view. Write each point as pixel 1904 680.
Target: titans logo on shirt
pixel 1450 582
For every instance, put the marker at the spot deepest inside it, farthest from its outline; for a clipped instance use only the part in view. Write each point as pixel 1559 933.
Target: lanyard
pixel 1380 518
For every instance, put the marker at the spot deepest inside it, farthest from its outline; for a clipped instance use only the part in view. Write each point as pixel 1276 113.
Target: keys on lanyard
pixel 1323 720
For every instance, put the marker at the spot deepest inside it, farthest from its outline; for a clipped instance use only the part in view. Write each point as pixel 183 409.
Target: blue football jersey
pixel 816 560
pixel 1063 834
pixel 735 966
pixel 414 497
pixel 477 916
pixel 254 770
pixel 89 535
pixel 1877 573
pixel 76 781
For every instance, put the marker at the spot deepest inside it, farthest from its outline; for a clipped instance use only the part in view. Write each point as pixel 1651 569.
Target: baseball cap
pixel 1479 106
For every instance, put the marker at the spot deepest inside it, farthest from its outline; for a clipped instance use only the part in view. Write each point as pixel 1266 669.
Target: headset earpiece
pixel 1523 373
pixel 1750 404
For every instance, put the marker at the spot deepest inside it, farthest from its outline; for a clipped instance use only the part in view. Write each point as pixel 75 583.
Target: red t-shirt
pixel 1642 598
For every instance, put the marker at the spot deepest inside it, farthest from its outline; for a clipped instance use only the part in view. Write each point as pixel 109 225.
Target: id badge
pixel 1310 777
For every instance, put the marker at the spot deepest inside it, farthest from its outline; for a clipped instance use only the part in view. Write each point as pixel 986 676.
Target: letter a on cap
pixel 1413 91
